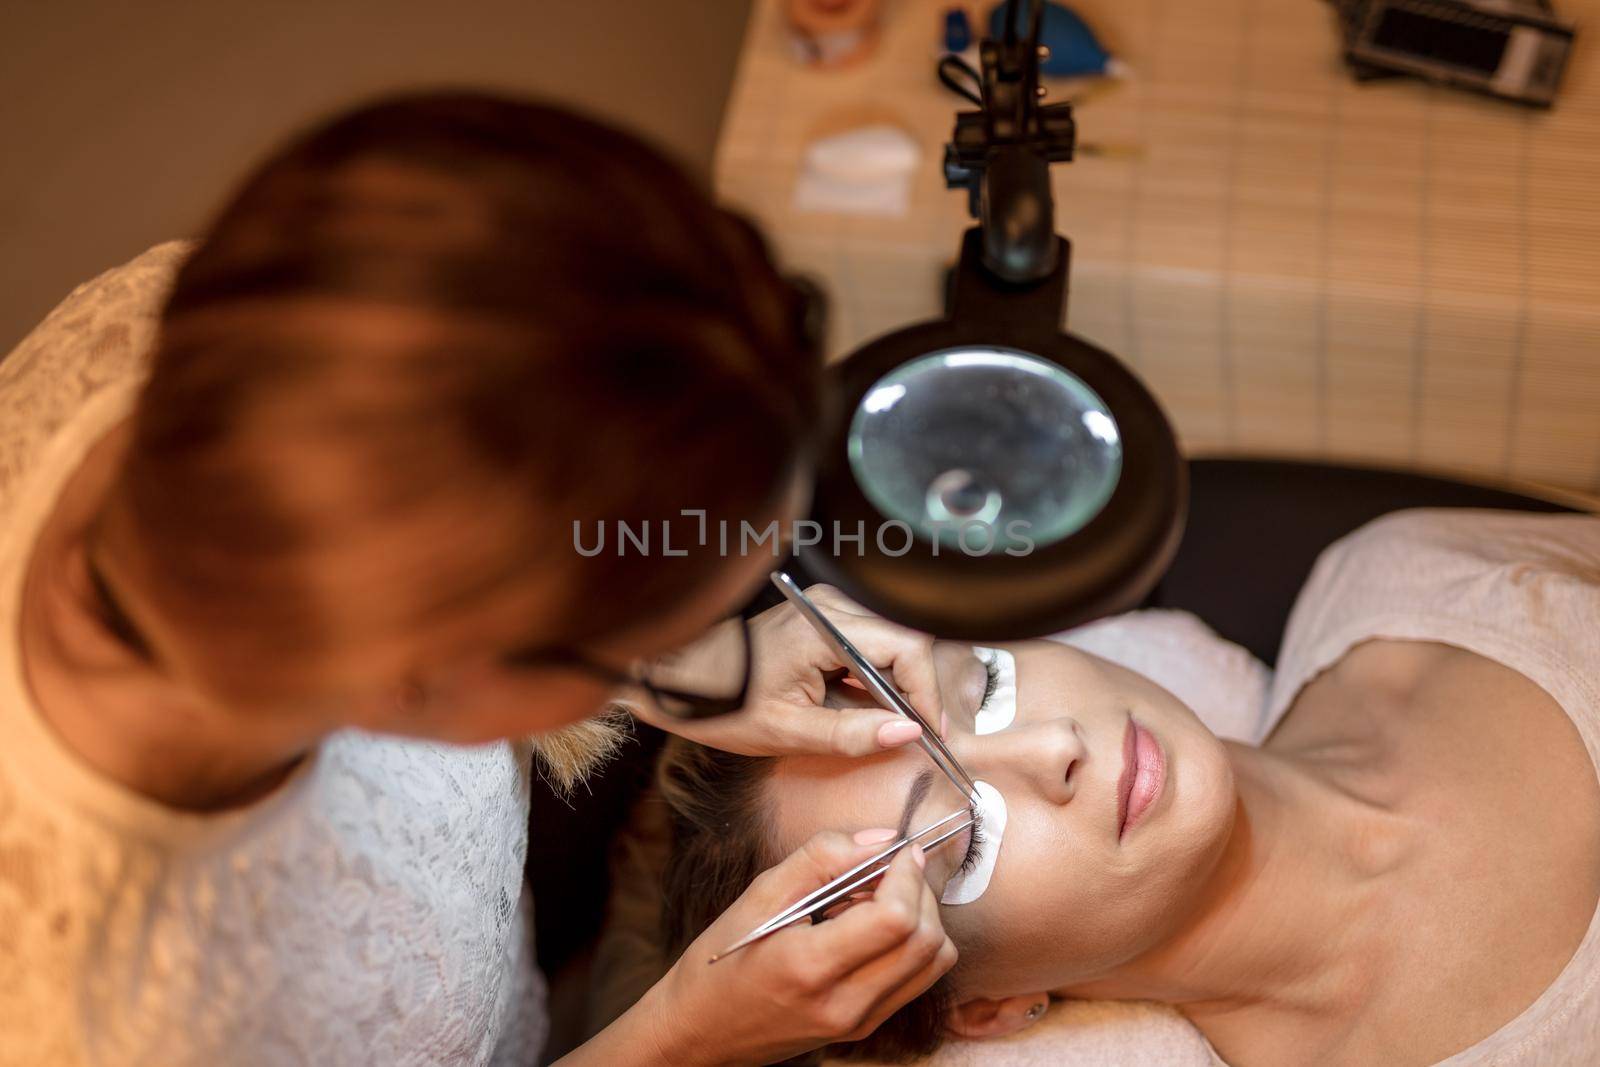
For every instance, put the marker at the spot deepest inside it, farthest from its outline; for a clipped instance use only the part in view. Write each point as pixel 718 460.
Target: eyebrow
pixel 914 798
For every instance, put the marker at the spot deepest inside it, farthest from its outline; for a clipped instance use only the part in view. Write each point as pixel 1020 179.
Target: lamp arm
pixel 1002 153
pixel 1017 214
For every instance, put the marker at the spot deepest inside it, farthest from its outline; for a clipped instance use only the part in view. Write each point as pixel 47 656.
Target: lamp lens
pixel 985 449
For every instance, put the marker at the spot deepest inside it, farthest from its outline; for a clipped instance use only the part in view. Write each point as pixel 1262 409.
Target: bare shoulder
pixel 1505 778
pixel 1477 751
pixel 1495 778
pixel 1355 704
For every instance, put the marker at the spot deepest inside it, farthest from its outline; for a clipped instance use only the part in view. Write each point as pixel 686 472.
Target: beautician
pixel 287 571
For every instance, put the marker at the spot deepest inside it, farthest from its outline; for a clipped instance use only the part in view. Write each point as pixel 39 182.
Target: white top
pixel 1520 589
pixel 1523 590
pixel 370 911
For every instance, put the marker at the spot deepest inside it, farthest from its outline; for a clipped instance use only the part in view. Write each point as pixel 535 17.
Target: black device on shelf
pixel 1512 49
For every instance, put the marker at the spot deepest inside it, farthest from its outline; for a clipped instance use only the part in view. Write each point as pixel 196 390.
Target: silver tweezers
pixel 876 684
pixel 818 901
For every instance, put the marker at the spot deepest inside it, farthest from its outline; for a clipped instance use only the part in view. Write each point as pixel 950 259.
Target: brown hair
pixel 460 325
pixel 722 839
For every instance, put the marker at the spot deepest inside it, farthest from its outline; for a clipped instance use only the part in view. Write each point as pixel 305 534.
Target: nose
pixel 1044 758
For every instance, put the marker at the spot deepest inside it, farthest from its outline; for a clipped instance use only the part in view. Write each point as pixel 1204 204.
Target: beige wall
pixel 124 123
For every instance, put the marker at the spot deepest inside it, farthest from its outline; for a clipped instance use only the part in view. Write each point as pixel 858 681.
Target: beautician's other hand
pixel 805 986
pixel 784 713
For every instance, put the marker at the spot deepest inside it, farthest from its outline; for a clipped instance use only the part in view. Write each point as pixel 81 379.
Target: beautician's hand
pixel 800 988
pixel 788 683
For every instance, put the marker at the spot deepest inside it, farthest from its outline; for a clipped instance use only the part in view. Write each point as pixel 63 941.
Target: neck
pixel 115 707
pixel 1283 924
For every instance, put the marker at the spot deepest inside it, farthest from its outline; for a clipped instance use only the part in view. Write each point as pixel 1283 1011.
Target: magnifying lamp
pixel 1014 480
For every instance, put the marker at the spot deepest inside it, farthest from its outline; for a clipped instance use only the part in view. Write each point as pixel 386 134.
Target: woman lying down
pixel 1404 870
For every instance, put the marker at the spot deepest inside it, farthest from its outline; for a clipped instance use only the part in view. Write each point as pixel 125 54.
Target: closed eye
pixel 992 669
pixel 974 843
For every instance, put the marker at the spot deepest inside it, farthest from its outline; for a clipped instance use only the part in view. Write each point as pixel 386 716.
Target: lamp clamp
pixel 1001 154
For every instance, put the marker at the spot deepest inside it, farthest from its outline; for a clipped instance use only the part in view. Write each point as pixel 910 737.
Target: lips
pixel 1144 773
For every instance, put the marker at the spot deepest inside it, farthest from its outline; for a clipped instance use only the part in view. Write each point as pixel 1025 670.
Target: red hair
pixel 419 343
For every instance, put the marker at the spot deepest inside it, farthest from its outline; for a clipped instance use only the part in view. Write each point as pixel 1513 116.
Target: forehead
pixel 812 793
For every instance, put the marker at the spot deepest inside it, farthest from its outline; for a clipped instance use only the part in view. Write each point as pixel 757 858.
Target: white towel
pixel 1224 684
pixel 1089 1033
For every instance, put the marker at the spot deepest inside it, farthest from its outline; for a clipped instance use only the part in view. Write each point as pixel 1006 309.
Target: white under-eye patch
pixel 1001 707
pixel 966 886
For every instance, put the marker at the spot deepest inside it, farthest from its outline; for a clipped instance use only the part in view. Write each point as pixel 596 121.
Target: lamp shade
pixel 1008 480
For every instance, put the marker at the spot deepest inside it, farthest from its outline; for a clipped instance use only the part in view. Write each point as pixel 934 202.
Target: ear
pixel 982 1017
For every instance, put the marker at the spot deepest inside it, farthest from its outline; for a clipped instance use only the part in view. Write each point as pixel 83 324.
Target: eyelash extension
pixel 970 860
pixel 992 669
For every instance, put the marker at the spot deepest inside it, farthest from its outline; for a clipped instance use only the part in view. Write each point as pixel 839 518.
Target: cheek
pixel 1061 910
pixel 1055 909
pixel 1208 797
pixel 497 704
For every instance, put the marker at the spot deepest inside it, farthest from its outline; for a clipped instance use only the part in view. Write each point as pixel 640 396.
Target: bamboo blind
pixel 1296 264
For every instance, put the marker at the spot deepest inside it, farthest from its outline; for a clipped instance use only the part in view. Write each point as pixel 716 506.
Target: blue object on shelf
pixel 957 31
pixel 1075 52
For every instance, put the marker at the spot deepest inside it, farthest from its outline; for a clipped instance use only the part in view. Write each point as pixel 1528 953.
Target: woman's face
pixel 1119 803
pixel 489 697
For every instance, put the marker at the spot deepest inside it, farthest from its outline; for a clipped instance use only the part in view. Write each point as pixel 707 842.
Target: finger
pixel 870 930
pixel 831 731
pixel 814 864
pixel 922 960
pixel 905 654
pixel 944 958
pixel 830 596
pixel 863 731
pixel 644 710
pixel 882 986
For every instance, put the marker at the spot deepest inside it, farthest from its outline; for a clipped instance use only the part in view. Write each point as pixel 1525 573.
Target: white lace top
pixel 370 911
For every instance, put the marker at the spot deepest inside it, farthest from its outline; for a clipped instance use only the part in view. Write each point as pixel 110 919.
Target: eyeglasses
pixel 708 677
